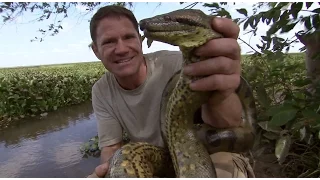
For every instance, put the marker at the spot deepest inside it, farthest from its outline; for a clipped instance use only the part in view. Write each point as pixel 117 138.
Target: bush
pixel 288 113
pixel 37 90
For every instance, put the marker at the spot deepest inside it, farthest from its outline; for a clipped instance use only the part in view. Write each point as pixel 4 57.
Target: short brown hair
pixel 110 11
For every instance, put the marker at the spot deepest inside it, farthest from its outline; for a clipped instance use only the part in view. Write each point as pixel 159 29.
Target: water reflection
pixel 49 147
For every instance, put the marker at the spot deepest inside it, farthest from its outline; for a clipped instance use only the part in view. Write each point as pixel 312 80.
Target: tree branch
pixel 248 45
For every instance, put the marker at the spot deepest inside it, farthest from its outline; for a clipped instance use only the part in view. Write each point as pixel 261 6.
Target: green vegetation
pixel 37 90
pixel 288 113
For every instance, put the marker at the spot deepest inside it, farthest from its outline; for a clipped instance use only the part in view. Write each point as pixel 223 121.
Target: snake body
pixel 188 147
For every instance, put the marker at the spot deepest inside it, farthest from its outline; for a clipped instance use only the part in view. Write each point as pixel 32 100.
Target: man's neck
pixel 134 81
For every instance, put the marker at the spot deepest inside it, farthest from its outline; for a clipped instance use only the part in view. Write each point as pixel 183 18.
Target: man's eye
pixel 106 42
pixel 129 37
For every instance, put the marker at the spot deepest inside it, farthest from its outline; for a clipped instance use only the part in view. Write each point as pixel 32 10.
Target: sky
pixel 71 44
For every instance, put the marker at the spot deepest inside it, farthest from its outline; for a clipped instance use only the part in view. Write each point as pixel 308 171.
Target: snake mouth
pixel 158 27
pixel 188 28
pixel 174 21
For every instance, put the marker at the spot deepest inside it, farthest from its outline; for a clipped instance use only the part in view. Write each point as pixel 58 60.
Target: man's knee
pixel 232 165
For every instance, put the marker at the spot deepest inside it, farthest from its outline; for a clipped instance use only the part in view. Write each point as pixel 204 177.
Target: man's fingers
pixel 102 170
pixel 216 82
pixel 218 65
pixel 226 27
pixel 220 47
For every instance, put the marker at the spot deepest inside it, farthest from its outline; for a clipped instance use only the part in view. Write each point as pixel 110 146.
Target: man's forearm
pixel 225 114
pixel 107 152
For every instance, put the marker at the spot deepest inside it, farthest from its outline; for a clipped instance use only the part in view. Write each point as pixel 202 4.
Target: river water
pixel 48 147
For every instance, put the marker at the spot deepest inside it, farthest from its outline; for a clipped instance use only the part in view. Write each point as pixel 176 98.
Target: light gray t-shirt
pixel 135 111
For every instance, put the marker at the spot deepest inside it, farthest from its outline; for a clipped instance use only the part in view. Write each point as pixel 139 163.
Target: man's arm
pixel 216 115
pixel 224 114
pixel 109 130
pixel 108 151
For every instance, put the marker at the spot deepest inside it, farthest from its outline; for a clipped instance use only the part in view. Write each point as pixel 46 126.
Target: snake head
pixel 185 28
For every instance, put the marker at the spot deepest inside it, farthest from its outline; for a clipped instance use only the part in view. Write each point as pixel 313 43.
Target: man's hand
pixel 106 153
pixel 222 68
pixel 100 171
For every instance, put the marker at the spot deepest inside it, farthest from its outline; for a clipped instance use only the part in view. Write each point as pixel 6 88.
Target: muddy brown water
pixel 49 147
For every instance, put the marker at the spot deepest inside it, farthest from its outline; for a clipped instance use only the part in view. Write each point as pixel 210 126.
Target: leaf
pixel 295 9
pixel 273 29
pixel 245 25
pixel 315 21
pixel 303 133
pixel 297 126
pixel 301 82
pixel 276 15
pixel 94 147
pixel 284 18
pixel 283 117
pixel 215 5
pixel 44 114
pixel 282 148
pixel 259 152
pixel 308 4
pixel 149 42
pixel 267 127
pixel 242 11
pixel 307 23
pixel 311 115
pixel 278 108
pixel 263 97
pixel 288 27
pixel 271 135
pixel 316 10
pixel 250 21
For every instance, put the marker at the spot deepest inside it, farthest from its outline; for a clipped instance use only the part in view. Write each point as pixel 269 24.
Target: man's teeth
pixel 124 61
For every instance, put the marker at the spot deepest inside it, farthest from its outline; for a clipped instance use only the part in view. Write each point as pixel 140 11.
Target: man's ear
pixel 95 50
pixel 141 39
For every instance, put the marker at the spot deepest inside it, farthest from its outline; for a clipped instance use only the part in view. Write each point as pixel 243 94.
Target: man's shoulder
pixel 165 57
pixel 163 54
pixel 101 83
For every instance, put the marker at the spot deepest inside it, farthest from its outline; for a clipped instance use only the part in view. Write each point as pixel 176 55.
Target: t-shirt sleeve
pixel 109 129
pixel 172 60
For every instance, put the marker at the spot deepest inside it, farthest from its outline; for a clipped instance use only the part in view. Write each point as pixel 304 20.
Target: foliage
pixel 56 12
pixel 38 90
pixel 281 17
pixel 288 113
pixel 288 110
pixel 91 147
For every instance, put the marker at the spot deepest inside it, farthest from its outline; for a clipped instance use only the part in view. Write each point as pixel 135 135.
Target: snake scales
pixel 189 146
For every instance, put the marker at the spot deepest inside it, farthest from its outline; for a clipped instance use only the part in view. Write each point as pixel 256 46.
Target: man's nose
pixel 121 47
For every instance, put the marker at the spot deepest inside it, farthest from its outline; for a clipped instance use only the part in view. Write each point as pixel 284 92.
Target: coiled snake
pixel 189 146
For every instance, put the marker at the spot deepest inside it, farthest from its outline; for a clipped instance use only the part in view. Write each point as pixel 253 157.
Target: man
pixel 128 96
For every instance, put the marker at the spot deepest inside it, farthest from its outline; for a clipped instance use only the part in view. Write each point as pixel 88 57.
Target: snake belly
pixel 188 147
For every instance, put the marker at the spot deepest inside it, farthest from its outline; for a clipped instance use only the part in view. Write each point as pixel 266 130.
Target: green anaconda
pixel 188 146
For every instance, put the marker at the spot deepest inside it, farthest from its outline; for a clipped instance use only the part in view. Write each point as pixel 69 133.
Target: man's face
pixel 118 46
